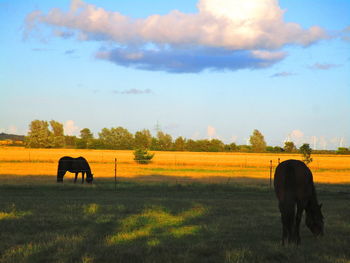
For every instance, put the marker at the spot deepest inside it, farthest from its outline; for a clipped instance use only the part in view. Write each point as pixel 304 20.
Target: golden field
pixel 214 167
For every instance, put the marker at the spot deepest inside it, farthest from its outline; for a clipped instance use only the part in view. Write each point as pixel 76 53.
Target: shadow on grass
pixel 160 220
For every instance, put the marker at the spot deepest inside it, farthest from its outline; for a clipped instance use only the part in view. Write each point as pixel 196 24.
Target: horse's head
pixel 89 178
pixel 314 220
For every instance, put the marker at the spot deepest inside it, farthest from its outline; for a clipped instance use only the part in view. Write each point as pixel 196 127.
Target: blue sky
pixel 197 71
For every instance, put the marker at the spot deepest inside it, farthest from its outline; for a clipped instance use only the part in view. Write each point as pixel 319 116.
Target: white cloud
pixel 70 128
pixel 295 136
pixel 195 136
pixel 316 142
pixel 234 138
pixel 254 26
pixel 322 142
pixel 12 129
pixel 233 24
pixel 338 142
pixel 211 132
pixel 313 142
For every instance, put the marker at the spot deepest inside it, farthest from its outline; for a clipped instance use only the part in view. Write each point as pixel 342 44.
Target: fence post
pixel 115 174
pixel 270 172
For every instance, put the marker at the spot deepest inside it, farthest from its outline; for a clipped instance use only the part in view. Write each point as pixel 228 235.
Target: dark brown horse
pixel 74 165
pixel 294 188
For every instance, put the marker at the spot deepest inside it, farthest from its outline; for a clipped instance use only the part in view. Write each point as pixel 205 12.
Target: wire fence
pixel 170 166
pixel 174 169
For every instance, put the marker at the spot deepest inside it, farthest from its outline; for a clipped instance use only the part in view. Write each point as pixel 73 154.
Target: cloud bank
pixel 70 128
pixel 211 132
pixel 223 34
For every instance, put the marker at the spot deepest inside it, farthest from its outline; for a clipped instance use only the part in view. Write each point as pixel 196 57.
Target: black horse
pixel 74 165
pixel 294 186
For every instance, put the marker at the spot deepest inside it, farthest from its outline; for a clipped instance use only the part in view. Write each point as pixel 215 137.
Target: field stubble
pixel 214 167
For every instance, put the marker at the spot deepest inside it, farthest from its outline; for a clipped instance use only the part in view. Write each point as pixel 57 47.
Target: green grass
pixel 41 221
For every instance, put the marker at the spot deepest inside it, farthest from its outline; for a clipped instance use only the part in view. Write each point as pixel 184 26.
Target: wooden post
pixel 279 160
pixel 270 173
pixel 115 174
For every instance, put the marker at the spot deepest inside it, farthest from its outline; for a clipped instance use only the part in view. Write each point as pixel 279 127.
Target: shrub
pixel 306 151
pixel 142 156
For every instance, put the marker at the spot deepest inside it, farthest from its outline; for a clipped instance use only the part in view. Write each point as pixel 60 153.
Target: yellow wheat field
pixel 169 165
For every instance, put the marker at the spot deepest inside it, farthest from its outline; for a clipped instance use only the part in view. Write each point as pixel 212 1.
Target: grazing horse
pixel 294 186
pixel 74 165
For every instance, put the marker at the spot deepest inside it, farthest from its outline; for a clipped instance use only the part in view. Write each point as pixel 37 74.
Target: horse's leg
pixel 291 223
pixel 297 222
pixel 82 177
pixel 284 221
pixel 284 231
pixel 287 216
pixel 76 177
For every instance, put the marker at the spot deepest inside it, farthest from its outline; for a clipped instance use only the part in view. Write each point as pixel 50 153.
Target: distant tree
pixel 215 145
pixel 95 144
pixel 269 148
pixel 39 135
pixel 154 144
pixel 274 149
pixel 70 141
pixel 164 141
pixel 116 138
pixel 244 148
pixel 86 139
pixel 278 149
pixel 306 151
pixel 232 147
pixel 142 156
pixel 202 145
pixel 86 134
pixel 289 147
pixel 57 135
pixel 180 144
pixel 257 141
pixel 191 145
pixel 343 150
pixel 143 139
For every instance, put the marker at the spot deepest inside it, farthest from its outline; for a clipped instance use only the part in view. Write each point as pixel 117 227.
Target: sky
pixel 201 69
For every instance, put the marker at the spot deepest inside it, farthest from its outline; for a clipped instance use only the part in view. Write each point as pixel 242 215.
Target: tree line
pixel 44 134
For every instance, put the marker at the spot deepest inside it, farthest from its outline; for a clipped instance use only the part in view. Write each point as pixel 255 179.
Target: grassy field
pixel 175 166
pixel 184 207
pixel 41 221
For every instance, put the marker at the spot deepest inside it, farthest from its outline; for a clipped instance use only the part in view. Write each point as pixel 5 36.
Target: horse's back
pixel 293 181
pixel 65 162
pixel 73 164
